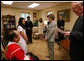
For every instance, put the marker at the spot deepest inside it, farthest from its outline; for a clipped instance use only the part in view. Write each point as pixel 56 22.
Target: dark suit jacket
pixel 27 25
pixel 60 23
pixel 76 39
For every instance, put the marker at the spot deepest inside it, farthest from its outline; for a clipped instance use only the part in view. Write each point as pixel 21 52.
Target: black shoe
pixel 48 56
pixel 31 42
pixel 28 43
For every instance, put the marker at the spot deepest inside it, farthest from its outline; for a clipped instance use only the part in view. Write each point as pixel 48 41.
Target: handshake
pixel 67 33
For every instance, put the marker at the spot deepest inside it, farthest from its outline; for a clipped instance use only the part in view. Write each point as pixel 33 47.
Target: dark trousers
pixel 76 51
pixel 77 56
pixel 60 36
pixel 29 36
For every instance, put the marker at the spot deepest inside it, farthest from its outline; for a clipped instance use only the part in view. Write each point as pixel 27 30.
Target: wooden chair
pixel 3 45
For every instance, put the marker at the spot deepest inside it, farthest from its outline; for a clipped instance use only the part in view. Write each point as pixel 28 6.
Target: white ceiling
pixel 43 5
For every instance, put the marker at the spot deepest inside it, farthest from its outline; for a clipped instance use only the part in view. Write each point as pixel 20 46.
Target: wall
pixel 73 16
pixel 16 12
pixel 41 13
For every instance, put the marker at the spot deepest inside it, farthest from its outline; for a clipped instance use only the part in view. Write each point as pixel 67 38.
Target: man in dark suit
pixel 76 35
pixel 60 25
pixel 29 27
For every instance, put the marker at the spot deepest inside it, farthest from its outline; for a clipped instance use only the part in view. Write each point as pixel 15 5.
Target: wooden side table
pixel 66 44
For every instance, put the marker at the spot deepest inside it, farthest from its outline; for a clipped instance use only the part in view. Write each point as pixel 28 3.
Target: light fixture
pixel 33 5
pixel 7 2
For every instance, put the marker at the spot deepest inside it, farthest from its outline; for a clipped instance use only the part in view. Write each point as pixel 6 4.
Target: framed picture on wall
pixel 34 14
pixel 65 13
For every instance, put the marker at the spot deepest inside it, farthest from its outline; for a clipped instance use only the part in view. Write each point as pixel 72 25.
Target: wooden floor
pixel 39 48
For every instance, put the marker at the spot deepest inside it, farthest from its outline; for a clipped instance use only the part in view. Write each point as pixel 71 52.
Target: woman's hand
pixel 24 36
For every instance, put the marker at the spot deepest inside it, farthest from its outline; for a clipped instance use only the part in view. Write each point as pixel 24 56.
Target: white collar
pixel 11 43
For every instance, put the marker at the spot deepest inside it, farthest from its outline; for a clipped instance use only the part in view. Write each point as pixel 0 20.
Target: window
pixel 24 15
pixel 50 13
pixel 45 22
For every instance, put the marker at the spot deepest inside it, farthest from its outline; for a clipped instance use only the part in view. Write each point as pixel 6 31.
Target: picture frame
pixel 34 14
pixel 65 13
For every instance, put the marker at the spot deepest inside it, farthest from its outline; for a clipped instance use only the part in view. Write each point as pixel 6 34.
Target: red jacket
pixel 15 52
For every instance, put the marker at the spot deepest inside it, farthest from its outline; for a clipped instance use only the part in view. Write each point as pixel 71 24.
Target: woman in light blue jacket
pixel 50 35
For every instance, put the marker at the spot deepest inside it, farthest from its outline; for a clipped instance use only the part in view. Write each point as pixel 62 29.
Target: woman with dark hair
pixel 23 38
pixel 41 28
pixel 50 35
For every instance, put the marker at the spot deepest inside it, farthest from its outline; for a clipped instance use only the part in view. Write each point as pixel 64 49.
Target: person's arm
pixel 63 23
pixel 24 36
pixel 57 23
pixel 26 24
pixel 46 33
pixel 59 30
pixel 31 24
pixel 76 35
pixel 43 25
pixel 46 36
